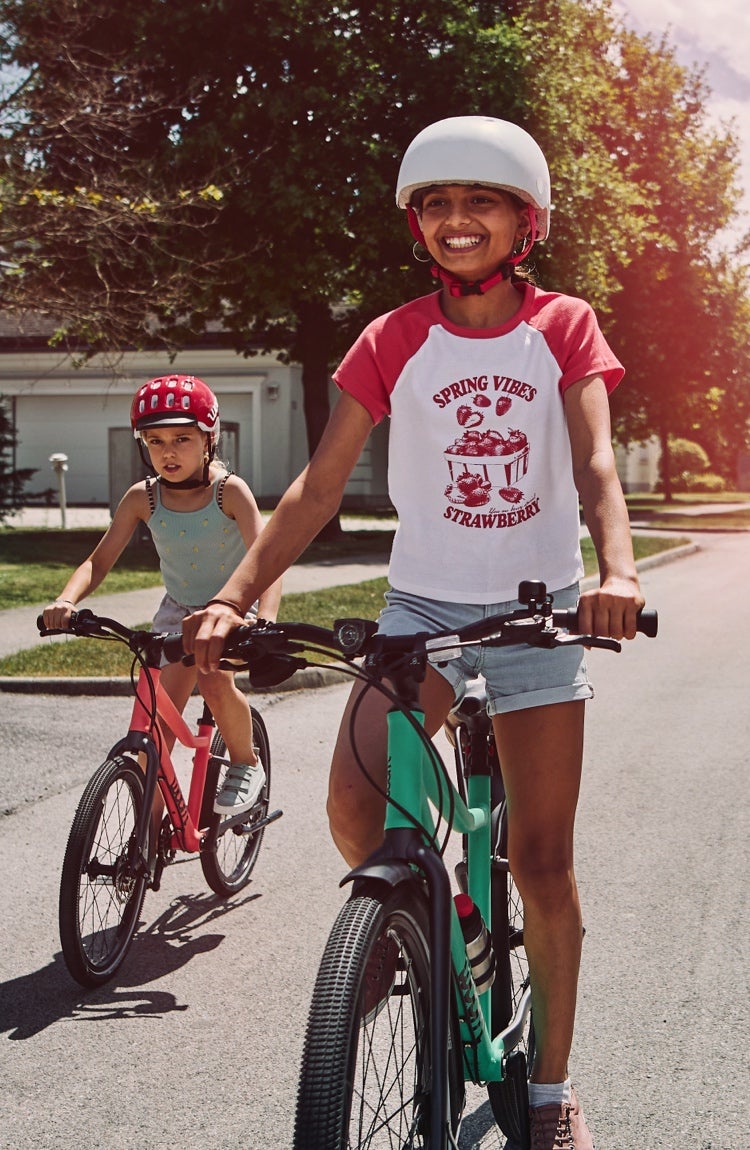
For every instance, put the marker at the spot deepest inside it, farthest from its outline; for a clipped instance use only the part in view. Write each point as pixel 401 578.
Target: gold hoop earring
pixel 418 250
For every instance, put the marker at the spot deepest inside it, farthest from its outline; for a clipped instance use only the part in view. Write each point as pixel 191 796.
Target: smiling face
pixel 177 451
pixel 471 230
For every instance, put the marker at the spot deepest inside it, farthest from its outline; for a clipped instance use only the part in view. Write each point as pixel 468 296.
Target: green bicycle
pixel 404 1010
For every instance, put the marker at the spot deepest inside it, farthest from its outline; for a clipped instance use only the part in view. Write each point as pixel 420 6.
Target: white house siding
pixel 638 465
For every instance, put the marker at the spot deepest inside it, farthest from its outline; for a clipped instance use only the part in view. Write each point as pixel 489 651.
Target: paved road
pixel 198 1041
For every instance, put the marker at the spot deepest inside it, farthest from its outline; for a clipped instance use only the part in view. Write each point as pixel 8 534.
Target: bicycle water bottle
pixel 478 942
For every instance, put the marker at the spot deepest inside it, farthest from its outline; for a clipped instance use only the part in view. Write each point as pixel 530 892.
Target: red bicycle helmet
pixel 175 399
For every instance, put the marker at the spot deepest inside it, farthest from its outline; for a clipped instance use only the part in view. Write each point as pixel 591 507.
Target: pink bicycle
pixel 110 860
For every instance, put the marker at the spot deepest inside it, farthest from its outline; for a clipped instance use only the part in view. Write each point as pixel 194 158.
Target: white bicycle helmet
pixel 478 150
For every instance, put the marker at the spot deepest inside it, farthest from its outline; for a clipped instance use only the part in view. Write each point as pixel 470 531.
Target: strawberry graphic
pixel 503 405
pixel 468 418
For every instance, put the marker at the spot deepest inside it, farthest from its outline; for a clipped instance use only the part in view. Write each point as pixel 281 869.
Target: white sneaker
pixel 241 788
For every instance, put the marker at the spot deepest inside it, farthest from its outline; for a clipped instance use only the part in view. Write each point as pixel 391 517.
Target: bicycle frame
pixel 409 826
pixel 142 738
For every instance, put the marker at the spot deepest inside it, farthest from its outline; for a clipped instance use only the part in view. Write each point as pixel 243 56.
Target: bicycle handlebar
pixel 270 651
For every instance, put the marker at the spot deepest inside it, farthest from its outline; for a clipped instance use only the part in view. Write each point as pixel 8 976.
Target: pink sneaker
pixel 560 1127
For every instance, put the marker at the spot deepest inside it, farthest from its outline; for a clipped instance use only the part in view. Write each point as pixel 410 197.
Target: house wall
pixel 638 465
pixel 60 408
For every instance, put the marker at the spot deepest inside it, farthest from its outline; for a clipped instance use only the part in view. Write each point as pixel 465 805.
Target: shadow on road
pixel 32 1002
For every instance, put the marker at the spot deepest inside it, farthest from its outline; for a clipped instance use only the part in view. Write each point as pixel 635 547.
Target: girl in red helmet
pixel 496 392
pixel 202 521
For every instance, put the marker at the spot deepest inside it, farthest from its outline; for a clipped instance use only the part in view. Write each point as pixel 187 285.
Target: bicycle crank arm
pixel 238 824
pixel 251 828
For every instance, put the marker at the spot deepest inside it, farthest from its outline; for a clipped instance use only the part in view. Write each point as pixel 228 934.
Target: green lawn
pixel 35 564
pixel 92 657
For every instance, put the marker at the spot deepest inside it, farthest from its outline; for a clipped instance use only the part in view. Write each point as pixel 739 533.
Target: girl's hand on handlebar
pixel 610 610
pixel 204 632
pixel 57 615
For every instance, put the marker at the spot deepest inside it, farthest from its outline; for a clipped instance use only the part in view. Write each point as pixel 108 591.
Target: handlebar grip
pixel 172 648
pixel 44 631
pixel 647 622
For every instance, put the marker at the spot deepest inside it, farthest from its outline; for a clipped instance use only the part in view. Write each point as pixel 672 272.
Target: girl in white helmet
pixel 202 521
pixel 496 393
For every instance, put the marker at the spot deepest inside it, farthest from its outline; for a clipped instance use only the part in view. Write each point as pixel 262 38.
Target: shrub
pixel 707 483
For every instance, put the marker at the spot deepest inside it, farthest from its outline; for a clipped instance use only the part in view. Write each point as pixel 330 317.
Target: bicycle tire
pixel 509 1098
pixel 99 912
pixel 365 1078
pixel 227 866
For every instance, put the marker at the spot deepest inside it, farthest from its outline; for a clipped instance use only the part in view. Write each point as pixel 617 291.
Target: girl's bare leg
pixel 231 710
pixel 541 750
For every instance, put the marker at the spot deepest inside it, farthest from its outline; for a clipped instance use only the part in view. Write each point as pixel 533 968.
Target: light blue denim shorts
pixel 170 613
pixel 516 677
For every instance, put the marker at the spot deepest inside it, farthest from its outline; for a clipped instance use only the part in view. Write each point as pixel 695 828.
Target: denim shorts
pixel 170 613
pixel 515 677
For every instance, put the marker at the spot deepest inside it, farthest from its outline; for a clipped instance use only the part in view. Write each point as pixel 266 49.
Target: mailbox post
pixel 60 466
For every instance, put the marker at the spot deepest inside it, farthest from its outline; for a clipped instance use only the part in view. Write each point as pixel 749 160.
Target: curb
pixel 307 679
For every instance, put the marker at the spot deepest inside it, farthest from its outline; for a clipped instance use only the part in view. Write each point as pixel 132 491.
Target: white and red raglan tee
pixel 480 470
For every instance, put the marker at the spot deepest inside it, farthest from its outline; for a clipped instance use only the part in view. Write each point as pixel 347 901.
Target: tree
pixel 12 480
pixel 680 322
pixel 248 178
pixel 101 227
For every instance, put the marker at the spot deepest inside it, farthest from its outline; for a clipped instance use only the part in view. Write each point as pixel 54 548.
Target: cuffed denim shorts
pixel 516 677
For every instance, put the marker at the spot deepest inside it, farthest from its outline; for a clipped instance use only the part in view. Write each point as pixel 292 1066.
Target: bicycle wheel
pixel 365 1079
pixel 509 1098
pixel 101 887
pixel 228 865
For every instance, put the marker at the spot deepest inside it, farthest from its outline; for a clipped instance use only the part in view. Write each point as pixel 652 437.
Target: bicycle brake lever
pixel 588 641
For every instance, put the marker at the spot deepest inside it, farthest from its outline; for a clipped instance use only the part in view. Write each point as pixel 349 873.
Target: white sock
pixel 548 1093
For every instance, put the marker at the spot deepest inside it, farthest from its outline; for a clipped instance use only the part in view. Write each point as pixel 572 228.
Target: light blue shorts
pixel 516 677
pixel 170 613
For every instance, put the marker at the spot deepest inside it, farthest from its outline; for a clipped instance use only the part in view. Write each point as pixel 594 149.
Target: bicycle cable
pixel 436 762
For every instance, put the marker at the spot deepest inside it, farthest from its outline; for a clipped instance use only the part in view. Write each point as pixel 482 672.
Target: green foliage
pixel 12 480
pixel 686 456
pixel 707 483
pixel 234 162
pixel 689 468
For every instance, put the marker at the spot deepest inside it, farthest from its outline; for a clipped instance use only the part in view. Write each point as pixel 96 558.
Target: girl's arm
pixel 611 609
pixel 308 504
pixel 238 502
pixel 133 507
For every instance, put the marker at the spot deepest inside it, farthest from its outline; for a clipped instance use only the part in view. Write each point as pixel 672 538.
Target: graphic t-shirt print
pixel 488 458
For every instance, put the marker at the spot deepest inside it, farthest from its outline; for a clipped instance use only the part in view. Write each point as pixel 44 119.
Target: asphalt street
pixel 197 1041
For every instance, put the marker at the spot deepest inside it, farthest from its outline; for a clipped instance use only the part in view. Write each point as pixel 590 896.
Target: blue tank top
pixel 198 550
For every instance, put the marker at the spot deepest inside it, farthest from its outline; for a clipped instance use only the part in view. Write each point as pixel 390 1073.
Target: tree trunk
pixel 666 465
pixel 314 343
